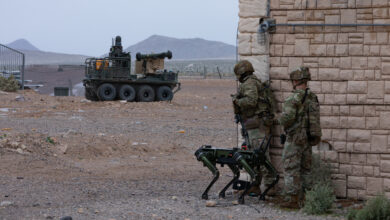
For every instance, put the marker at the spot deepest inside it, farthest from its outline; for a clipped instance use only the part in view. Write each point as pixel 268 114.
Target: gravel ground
pixel 64 156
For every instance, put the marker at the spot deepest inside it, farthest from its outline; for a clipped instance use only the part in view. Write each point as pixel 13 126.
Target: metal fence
pixel 12 63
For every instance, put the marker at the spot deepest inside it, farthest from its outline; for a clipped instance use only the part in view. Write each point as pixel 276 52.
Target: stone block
pixel 339 134
pixel 356 135
pixel 340 87
pixel 386 184
pixel 384 120
pixel 373 159
pixel 340 146
pixel 294 63
pixel 385 166
pixel 368 170
pixel 361 147
pixel 357 170
pixel 326 87
pixel 352 193
pixel 252 8
pixel 356 110
pixel 324 4
pixel 385 68
pixel 374 50
pixel 278 38
pixel 340 99
pixel 325 62
pixel 379 3
pixel 372 122
pixel 387 99
pixel 369 74
pixel 385 50
pixel 244 44
pixel 330 38
pixel 342 49
pixel 382 38
pixel 356 182
pixel 370 38
pixel 328 74
pixel 379 143
pixel 329 122
pixel 356 87
pixel 296 15
pixel 302 47
pixel 360 159
pixel 340 188
pixel 356 122
pixel 376 89
pixel 363 3
pixel 359 63
pixel 380 12
pixel 352 99
pixel 356 49
pixel 248 25
pixel 374 186
pixel 348 16
pixel 318 50
pixel 387 87
pixel 346 74
pixel 288 50
pixel 344 110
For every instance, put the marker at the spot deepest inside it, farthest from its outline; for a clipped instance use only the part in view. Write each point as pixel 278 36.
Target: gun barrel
pixel 140 56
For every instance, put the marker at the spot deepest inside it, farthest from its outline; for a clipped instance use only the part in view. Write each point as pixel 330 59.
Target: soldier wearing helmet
pixel 255 106
pixel 297 149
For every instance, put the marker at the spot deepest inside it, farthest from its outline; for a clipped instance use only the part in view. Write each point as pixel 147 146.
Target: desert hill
pixel 194 48
pixel 36 56
pixel 22 44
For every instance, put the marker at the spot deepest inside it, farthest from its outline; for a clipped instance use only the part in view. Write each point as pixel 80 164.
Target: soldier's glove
pixel 283 139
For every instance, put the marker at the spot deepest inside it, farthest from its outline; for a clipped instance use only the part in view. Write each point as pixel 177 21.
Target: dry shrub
pixel 319 199
pixel 9 84
pixel 377 208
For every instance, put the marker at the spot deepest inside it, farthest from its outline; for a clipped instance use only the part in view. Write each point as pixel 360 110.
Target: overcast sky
pixel 87 26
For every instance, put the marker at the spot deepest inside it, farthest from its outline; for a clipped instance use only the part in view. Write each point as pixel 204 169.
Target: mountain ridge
pixel 186 48
pixel 22 44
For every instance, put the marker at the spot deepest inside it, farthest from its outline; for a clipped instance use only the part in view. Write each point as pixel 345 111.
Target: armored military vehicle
pixel 110 78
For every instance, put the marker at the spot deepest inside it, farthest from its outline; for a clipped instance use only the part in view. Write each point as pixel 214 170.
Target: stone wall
pixel 350 69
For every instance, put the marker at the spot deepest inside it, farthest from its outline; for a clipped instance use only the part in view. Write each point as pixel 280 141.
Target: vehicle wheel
pixel 164 93
pixel 106 92
pixel 90 95
pixel 146 94
pixel 127 92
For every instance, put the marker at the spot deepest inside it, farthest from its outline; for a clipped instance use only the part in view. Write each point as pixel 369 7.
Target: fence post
pixel 219 73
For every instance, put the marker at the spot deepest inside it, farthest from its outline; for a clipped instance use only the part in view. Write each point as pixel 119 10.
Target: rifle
pixel 237 159
pixel 244 132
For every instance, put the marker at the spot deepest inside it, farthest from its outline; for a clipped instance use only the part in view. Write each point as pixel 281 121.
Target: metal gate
pixel 12 63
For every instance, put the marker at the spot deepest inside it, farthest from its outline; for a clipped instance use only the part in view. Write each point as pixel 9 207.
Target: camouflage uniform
pixel 249 106
pixel 297 152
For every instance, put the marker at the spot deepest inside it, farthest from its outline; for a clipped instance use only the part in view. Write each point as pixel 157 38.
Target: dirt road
pixel 64 156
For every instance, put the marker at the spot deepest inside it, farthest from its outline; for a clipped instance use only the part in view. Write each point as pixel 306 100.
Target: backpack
pixel 266 102
pixel 312 116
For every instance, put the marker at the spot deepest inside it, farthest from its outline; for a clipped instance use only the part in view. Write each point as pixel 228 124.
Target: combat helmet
pixel 243 67
pixel 301 74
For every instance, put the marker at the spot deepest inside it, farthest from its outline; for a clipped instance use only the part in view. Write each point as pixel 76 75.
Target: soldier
pixel 300 120
pixel 254 104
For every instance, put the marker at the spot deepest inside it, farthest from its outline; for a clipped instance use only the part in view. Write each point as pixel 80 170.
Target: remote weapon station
pixel 110 78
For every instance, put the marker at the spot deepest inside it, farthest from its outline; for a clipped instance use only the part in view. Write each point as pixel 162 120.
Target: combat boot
pixel 291 203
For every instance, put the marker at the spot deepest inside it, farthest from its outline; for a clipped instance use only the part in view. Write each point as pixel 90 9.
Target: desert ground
pixel 66 156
